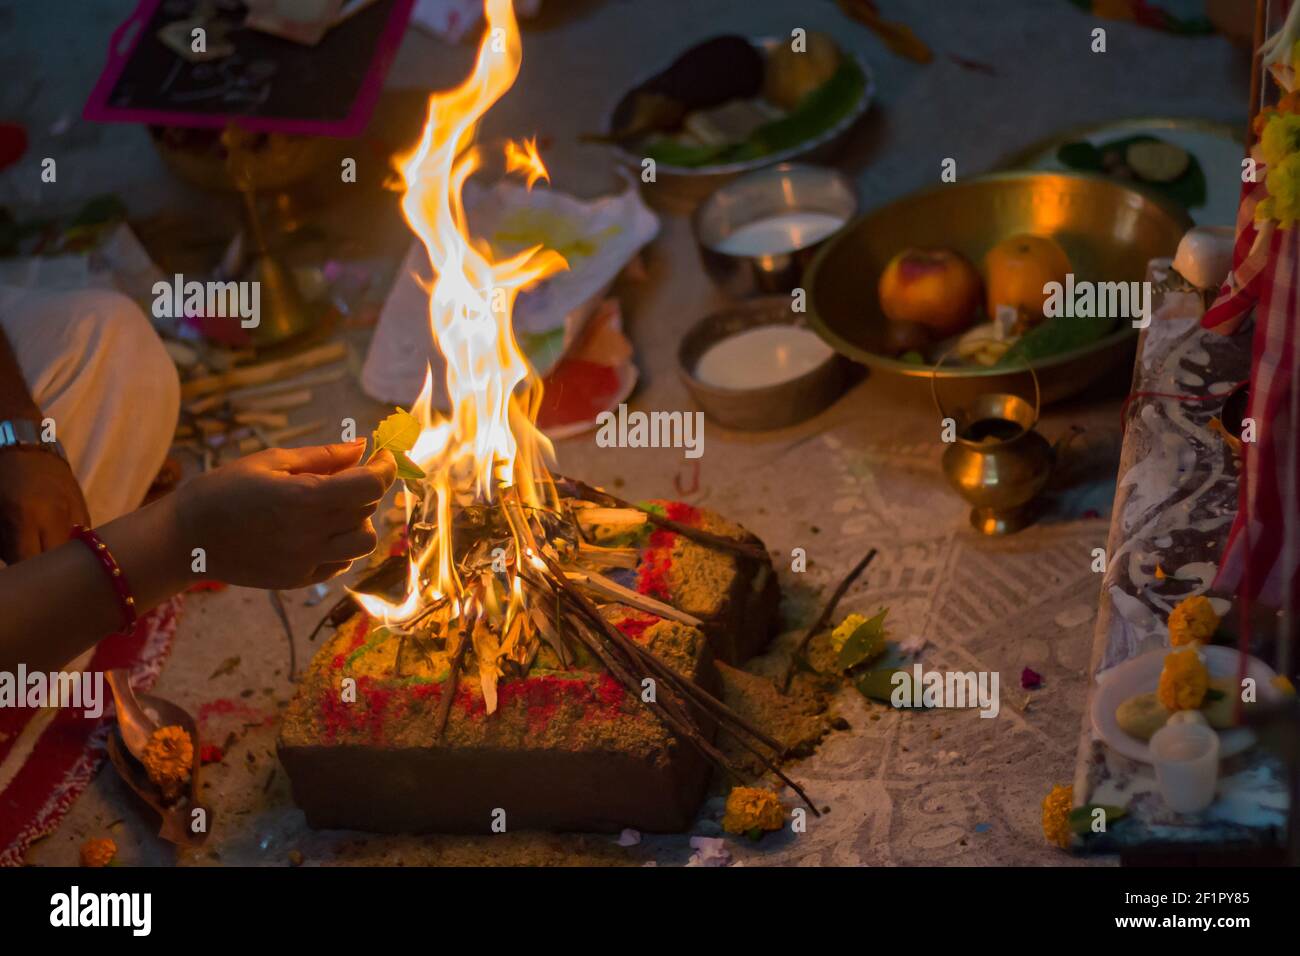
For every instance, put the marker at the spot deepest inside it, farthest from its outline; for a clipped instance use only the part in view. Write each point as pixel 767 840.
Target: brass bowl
pixel 1108 230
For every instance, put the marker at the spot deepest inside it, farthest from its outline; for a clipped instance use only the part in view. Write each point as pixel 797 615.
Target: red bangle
pixel 114 570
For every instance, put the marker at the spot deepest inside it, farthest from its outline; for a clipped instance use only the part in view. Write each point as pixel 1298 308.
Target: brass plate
pixel 1108 230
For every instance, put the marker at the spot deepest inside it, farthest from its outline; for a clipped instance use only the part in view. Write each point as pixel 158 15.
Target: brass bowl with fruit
pixel 995 237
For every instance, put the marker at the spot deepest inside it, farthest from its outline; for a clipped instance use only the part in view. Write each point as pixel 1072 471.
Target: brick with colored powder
pixel 565 750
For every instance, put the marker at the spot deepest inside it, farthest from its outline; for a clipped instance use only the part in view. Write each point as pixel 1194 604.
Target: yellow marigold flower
pixel 1283 201
pixel 98 851
pixel 752 808
pixel 1183 681
pixel 844 630
pixel 1281 138
pixel 1193 619
pixel 167 759
pixel 1056 816
pixel 1283 683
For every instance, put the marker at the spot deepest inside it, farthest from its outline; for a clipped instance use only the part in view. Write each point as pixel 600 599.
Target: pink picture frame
pixel 126 39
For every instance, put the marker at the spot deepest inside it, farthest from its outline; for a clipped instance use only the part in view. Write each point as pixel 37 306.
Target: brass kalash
pixel 997 462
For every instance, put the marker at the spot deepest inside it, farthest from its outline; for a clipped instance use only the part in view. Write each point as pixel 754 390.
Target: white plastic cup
pixel 1186 759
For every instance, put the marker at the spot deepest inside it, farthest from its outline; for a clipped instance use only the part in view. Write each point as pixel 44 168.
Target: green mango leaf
pixel 878 682
pixel 1212 695
pixel 865 644
pixel 398 434
pixel 1081 817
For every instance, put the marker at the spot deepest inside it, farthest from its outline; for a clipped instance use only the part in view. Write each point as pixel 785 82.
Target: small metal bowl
pixel 770 406
pixel 784 188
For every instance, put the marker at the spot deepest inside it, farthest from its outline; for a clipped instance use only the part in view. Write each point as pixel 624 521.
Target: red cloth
pixel 1259 562
pixel 44 769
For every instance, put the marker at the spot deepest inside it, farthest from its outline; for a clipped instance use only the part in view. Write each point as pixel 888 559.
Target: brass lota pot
pixel 997 461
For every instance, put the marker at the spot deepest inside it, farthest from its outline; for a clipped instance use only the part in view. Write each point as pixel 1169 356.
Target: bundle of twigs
pixel 560 573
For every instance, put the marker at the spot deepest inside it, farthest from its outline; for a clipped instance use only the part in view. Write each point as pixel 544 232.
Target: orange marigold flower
pixel 1056 816
pixel 167 759
pixel 1290 103
pixel 1193 619
pixel 98 851
pixel 752 808
pixel 1183 681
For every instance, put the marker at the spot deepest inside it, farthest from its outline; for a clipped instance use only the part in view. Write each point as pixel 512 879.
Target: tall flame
pixel 487 440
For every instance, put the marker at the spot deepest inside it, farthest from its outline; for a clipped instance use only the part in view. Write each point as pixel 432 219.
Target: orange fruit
pixel 937 288
pixel 1017 270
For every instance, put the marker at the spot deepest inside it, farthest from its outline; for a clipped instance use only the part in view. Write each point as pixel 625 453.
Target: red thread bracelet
pixel 114 570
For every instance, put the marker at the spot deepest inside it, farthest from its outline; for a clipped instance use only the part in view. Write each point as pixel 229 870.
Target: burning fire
pixel 487 446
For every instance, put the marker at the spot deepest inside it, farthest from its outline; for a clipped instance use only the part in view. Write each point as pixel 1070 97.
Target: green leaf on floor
pixel 879 682
pixel 865 644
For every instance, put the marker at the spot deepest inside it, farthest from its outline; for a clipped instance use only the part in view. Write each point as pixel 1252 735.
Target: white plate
pixel 1140 675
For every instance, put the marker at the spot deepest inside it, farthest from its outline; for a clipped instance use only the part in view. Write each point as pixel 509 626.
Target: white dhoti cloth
pixel 95 365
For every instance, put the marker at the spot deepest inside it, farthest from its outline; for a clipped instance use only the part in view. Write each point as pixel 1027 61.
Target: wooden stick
pixel 600 557
pixel 747 549
pixel 262 419
pixel 622 595
pixel 453 684
pixel 619 639
pixel 825 616
pixel 266 372
pixel 667 711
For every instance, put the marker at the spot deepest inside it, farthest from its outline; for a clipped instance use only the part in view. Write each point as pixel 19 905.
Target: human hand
pixel 284 518
pixel 40 501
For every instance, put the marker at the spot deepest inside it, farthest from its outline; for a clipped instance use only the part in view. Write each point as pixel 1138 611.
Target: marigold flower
pixel 752 808
pixel 1183 681
pixel 167 759
pixel 1290 103
pixel 1056 816
pixel 844 630
pixel 1192 619
pixel 1283 201
pixel 98 851
pixel 1283 683
pixel 1281 138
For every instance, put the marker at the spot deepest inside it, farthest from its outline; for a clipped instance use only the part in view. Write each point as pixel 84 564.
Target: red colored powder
pixel 224 707
pixel 210 753
pixel 682 513
pixel 198 586
pixel 358 638
pixel 635 626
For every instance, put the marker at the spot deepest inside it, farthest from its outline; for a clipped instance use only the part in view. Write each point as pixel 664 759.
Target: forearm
pixel 15 398
pixel 60 603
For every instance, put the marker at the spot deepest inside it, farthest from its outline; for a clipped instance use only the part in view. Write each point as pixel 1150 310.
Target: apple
pixel 937 288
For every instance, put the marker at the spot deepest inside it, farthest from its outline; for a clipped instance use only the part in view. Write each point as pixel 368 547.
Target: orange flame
pixel 488 439
pixel 522 157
